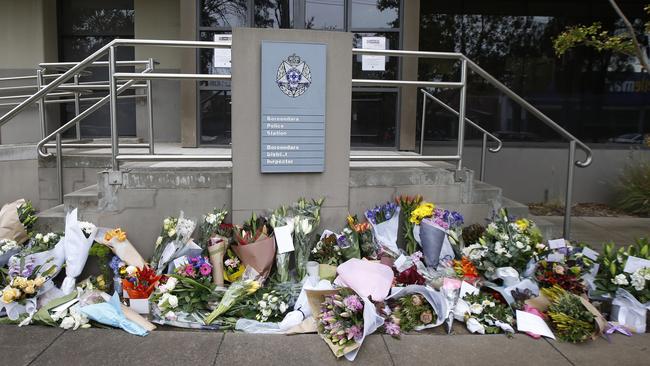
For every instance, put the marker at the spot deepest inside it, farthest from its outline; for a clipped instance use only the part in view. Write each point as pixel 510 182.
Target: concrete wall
pixel 18 174
pixel 160 19
pixel 529 174
pixel 253 190
pixel 28 36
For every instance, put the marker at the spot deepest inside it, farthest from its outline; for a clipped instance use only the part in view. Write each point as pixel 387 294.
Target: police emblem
pixel 294 76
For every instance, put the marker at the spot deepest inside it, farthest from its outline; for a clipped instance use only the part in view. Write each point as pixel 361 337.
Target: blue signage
pixel 293 107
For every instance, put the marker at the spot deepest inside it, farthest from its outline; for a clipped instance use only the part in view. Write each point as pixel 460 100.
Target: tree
pixel 596 37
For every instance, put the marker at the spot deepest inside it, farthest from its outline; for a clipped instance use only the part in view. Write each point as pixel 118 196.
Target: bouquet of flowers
pixel 274 302
pixel 506 243
pixel 327 250
pixel 305 224
pixel 362 233
pixel 233 267
pixel 564 275
pixel 139 283
pixel 340 321
pixel 8 248
pixel 235 293
pixel 79 237
pixel 414 308
pixel 281 218
pixel 210 224
pixel 255 245
pixel 484 314
pixel 466 270
pixel 612 275
pixel 117 241
pixel 27 216
pixel 570 319
pixel 433 228
pixel 16 220
pixel 26 281
pixel 407 205
pixel 174 241
pixel 42 242
pixel 384 221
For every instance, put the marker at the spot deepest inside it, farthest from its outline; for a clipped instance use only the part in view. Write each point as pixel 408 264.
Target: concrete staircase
pixel 151 191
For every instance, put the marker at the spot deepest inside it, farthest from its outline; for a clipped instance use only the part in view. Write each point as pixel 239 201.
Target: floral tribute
pixel 340 319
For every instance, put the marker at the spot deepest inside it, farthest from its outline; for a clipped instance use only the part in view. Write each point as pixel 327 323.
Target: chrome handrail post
pixel 113 107
pixel 424 109
pixel 461 113
pixel 59 167
pixel 481 172
pixel 41 103
pixel 569 190
pixel 77 106
pixel 150 109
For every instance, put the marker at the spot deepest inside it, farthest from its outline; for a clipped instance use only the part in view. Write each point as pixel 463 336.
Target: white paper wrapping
pixel 385 233
pixel 437 301
pixel 371 322
pixel 629 312
pixel 76 247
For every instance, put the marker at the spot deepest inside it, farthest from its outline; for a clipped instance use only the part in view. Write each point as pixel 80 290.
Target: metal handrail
pixel 486 134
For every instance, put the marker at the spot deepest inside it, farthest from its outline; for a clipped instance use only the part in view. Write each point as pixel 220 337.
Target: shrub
pixel 634 188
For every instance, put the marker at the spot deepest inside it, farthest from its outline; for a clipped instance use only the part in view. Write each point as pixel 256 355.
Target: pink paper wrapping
pixel 368 279
pixel 260 255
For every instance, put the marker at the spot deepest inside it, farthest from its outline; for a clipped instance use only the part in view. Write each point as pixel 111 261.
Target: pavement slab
pixel 596 231
pixel 13 341
pixel 299 349
pixel 622 351
pixel 458 350
pixel 116 347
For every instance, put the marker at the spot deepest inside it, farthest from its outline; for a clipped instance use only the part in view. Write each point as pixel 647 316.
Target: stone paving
pixel 598 230
pixel 36 345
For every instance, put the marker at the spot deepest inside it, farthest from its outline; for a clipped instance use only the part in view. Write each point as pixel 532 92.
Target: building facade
pixel 596 96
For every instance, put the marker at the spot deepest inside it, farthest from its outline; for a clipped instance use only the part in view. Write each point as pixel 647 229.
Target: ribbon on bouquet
pixel 613 327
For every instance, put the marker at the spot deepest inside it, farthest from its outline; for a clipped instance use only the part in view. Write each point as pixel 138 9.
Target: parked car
pixel 628 138
pixel 518 136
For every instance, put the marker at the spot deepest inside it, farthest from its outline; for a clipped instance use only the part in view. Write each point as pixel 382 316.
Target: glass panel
pixel 392 63
pixel 273 14
pixel 215 112
pixel 82 17
pixel 373 119
pixel 595 96
pixel 205 63
pixel 375 14
pixel 223 13
pixel 325 14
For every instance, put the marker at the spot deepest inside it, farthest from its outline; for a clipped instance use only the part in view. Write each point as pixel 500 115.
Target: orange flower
pixel 465 268
pixel 116 233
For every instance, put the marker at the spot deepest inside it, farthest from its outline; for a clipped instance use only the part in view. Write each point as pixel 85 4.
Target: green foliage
pixel 27 215
pixel 634 188
pixel 413 311
pixel 571 321
pixel 612 262
pixel 593 36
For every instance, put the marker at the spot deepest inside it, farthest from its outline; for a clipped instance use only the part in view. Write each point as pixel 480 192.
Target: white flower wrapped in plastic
pixel 174 242
pixel 79 237
pixel 384 221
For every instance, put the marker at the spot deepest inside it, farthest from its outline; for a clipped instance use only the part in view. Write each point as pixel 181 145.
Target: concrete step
pixel 485 193
pixel 84 199
pixel 549 230
pixel 52 219
pixel 515 208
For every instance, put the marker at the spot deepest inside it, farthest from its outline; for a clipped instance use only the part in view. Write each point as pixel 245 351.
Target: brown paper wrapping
pixel 10 225
pixel 137 318
pixel 123 249
pixel 216 250
pixel 542 303
pixel 260 255
pixel 315 298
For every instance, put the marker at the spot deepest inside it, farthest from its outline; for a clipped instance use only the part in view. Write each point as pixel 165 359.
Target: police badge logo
pixel 294 76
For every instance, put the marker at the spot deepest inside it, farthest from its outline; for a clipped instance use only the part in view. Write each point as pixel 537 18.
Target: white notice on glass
pixel 221 57
pixel 371 62
pixel 283 238
pixel 527 322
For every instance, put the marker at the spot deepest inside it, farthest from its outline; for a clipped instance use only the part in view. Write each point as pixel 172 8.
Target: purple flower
pixel 393 329
pixel 354 332
pixel 353 303
pixel 342 241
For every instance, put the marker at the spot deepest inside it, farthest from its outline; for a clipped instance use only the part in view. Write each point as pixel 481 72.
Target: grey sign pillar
pixel 291 100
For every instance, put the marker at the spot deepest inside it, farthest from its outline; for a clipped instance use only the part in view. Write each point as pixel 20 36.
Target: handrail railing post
pixel 569 190
pixel 59 168
pixel 461 113
pixel 150 109
pixel 113 107
pixel 481 172
pixel 41 103
pixel 77 106
pixel 424 110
